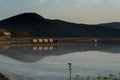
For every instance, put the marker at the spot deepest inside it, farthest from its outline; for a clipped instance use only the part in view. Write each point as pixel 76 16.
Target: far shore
pixel 57 41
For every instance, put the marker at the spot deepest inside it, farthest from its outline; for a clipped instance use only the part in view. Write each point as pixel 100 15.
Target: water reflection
pixel 50 62
pixel 3 48
pixel 36 53
pixel 42 48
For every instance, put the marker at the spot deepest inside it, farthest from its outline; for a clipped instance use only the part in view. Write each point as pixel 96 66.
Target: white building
pixel 4 34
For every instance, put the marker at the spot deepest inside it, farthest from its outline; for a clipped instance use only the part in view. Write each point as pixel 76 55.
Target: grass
pixel 99 77
pixel 110 76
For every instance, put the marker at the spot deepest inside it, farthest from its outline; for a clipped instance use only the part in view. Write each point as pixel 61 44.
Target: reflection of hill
pixel 27 54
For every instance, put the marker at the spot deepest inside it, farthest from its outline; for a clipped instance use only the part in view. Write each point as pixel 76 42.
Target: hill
pixel 115 25
pixel 84 30
pixel 34 24
pixel 38 26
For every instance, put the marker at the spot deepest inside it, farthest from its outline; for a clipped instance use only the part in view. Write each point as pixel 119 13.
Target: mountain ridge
pixel 115 25
pixel 38 26
pixel 30 23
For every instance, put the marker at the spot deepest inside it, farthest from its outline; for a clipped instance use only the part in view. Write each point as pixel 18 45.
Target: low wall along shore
pixel 59 40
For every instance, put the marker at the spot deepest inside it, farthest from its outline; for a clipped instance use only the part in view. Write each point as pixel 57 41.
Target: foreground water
pixel 50 62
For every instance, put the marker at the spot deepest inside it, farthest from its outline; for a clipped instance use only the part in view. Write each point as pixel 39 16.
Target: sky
pixel 78 11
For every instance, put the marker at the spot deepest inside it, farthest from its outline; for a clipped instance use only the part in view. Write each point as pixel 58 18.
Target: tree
pixel 23 34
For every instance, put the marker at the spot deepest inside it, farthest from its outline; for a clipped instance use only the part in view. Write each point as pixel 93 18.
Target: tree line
pixel 22 34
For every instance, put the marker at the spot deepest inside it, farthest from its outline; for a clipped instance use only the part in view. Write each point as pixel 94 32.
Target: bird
pixel 69 63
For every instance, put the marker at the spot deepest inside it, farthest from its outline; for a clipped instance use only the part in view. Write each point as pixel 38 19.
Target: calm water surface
pixel 50 62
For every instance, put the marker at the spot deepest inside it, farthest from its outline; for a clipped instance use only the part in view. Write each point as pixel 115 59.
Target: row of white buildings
pixel 35 41
pixel 6 35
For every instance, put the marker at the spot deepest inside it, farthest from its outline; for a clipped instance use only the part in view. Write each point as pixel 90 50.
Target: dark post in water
pixel 70 70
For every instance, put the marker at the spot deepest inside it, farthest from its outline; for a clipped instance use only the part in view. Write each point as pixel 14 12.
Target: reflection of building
pixel 3 48
pixel 43 47
pixel 4 34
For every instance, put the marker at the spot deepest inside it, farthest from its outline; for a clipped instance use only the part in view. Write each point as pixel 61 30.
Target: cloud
pixel 83 3
pixel 97 2
pixel 40 2
pixel 21 2
pixel 83 10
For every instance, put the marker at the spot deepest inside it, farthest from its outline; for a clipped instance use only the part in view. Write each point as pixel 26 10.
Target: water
pixel 51 62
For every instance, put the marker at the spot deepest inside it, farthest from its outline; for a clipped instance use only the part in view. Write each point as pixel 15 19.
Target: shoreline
pixel 56 44
pixel 57 41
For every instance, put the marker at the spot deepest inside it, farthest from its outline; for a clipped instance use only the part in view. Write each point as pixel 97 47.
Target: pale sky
pixel 79 11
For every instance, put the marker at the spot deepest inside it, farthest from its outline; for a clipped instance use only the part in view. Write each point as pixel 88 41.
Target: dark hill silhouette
pixel 34 24
pixel 115 25
pixel 88 30
pixel 38 26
